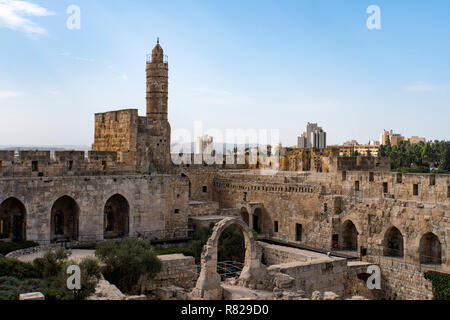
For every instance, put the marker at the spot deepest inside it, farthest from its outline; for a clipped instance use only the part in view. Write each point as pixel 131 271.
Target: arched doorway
pixel 12 220
pixel 208 283
pixel 245 216
pixel 349 236
pixel 258 220
pixel 64 219
pixel 116 217
pixel 393 243
pixel 189 181
pixel 430 249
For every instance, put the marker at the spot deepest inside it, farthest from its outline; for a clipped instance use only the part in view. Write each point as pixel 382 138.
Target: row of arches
pixel 430 250
pixel 64 219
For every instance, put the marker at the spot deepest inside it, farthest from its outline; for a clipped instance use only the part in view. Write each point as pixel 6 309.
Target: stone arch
pixel 13 216
pixel 430 249
pixel 349 236
pixel 64 219
pixel 245 215
pixel 208 283
pixel 393 243
pixel 116 217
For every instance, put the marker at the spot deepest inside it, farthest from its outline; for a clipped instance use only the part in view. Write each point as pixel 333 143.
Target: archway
pixel 12 220
pixel 64 219
pixel 430 249
pixel 208 283
pixel 245 216
pixel 393 243
pixel 258 220
pixel 349 236
pixel 189 181
pixel 116 217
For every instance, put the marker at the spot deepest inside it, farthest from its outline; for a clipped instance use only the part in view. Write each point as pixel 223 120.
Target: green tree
pixel 127 262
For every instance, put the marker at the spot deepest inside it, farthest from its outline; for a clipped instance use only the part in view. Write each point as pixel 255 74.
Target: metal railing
pixel 165 59
pixel 229 269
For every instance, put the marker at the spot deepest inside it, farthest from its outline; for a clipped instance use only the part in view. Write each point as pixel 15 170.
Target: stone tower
pixel 157 84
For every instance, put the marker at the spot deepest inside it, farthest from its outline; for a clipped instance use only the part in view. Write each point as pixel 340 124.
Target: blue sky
pixel 233 64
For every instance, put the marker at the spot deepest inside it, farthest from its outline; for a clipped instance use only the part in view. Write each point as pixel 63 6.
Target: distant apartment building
pixel 416 139
pixel 359 149
pixel 202 143
pixel 394 138
pixel 314 137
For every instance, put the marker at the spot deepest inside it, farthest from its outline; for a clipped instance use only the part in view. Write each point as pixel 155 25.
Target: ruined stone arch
pixel 116 217
pixel 208 283
pixel 64 219
pixel 393 243
pixel 430 249
pixel 349 236
pixel 13 215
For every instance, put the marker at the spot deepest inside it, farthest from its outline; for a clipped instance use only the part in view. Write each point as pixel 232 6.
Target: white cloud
pixel 7 94
pixel 124 77
pixel 421 86
pixel 65 53
pixel 12 14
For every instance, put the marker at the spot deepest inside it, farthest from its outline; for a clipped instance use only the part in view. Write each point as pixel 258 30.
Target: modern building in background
pixel 395 138
pixel 314 137
pixel 202 143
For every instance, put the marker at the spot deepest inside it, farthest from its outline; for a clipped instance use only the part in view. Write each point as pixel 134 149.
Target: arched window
pixel 393 243
pixel 430 249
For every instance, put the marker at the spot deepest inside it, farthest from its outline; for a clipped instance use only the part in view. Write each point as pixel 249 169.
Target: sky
pixel 233 64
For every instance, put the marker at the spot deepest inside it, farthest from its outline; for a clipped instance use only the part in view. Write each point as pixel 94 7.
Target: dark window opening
pixel 385 187
pixel 448 192
pixel 344 175
pixel 325 207
pixel 399 178
pixel 34 166
pixel 298 232
pixel 176 211
pixel 432 180
pixel 103 165
pixel 275 226
pixel 371 177
pixel 204 189
pixel 415 189
pixel 69 165
pixel 335 241
pixel 356 185
pixel 245 196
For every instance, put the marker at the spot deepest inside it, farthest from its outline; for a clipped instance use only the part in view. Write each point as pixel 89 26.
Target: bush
pixel 127 261
pixel 90 275
pixel 14 268
pixel 185 251
pixel 11 288
pixel 7 247
pixel 51 264
pixel 441 284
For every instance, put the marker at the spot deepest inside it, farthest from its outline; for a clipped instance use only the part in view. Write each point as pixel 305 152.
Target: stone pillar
pixel 250 221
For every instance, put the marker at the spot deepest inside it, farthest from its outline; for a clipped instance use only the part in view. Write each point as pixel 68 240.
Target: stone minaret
pixel 157 84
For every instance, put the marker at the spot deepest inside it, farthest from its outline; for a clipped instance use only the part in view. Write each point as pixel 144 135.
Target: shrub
pixel 51 264
pixel 90 275
pixel 127 261
pixel 441 284
pixel 14 268
pixel 11 288
pixel 231 245
pixel 185 251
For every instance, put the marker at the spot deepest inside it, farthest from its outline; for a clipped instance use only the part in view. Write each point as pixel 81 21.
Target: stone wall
pixel 176 270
